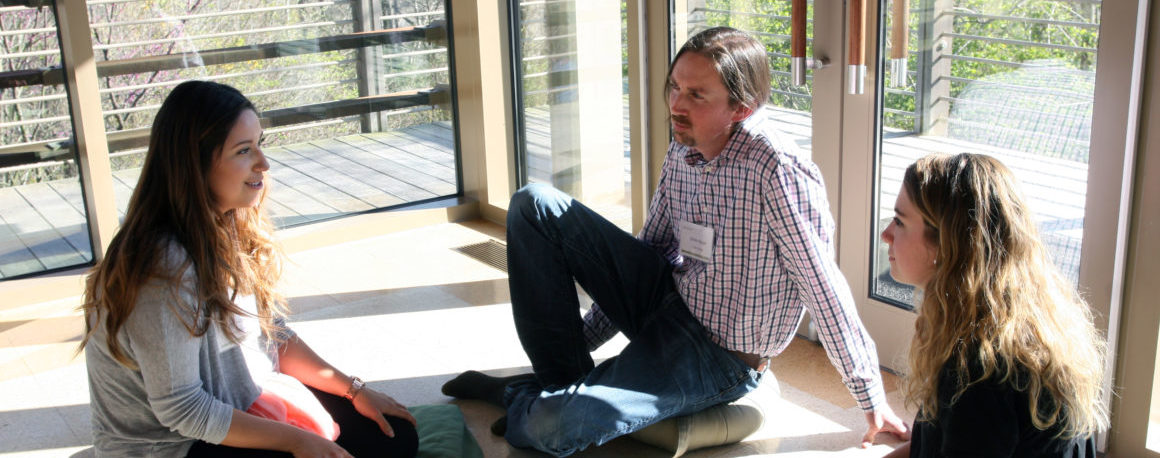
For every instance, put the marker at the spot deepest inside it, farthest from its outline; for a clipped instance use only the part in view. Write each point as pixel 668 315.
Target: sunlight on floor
pixel 406 312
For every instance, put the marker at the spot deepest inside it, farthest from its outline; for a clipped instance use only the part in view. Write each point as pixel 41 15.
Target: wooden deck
pixel 42 226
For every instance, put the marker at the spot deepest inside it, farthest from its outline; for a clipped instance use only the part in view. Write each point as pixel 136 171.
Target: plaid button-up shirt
pixel 773 252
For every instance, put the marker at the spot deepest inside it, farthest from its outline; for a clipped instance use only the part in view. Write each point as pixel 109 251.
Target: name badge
pixel 696 241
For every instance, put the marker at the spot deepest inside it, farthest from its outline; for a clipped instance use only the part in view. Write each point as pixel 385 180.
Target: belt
pixel 757 363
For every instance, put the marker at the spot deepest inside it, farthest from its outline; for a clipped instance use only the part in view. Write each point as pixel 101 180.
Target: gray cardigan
pixel 185 388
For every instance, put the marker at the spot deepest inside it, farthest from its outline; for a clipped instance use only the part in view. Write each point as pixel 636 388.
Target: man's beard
pixel 686 137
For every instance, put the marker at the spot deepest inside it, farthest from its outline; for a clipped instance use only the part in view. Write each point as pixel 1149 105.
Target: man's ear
pixel 741 112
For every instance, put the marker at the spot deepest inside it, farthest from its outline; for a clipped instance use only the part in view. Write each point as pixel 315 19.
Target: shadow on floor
pixel 400 300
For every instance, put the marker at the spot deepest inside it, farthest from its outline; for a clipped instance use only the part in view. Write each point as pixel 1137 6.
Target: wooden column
pixel 72 18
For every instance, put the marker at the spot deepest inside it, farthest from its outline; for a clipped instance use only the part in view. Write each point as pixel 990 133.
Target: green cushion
pixel 443 433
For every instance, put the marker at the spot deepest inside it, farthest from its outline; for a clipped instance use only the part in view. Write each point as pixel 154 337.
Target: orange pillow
pixel 287 400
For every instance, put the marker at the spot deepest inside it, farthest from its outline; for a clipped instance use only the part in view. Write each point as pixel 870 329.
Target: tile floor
pixel 406 312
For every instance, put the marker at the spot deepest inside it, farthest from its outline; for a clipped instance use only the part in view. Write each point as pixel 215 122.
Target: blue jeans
pixel 670 367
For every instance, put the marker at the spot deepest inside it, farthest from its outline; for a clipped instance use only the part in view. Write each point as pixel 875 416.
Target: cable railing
pixel 135 87
pixel 46 151
pixel 166 19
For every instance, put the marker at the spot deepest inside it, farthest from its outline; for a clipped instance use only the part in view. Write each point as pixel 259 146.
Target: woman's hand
pixel 297 360
pixel 310 445
pixel 373 404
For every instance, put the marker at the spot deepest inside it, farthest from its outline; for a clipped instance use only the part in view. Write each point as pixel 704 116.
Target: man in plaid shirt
pixel 737 245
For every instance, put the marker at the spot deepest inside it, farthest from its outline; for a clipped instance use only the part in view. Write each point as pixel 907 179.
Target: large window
pixel 356 98
pixel 42 213
pixel 1013 80
pixel 354 95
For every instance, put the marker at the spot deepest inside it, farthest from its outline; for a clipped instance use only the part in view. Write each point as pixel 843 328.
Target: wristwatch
pixel 356 386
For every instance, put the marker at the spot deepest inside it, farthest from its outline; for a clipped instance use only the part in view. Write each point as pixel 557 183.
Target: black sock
pixel 499 428
pixel 479 386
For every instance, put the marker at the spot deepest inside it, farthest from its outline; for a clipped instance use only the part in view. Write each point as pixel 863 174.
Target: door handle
pixel 856 70
pixel 797 42
pixel 899 42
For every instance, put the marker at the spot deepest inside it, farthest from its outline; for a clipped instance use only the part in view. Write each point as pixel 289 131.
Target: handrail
pixel 228 34
pixel 13 4
pixel 134 87
pixel 1006 107
pixel 1020 87
pixel 17 32
pixel 1013 42
pixel 53 75
pixel 392 17
pixel 909 114
pixel 1032 133
pixel 1026 20
pixel 981 60
pixel 541 2
pixel 185 17
pixel 744 13
pixel 790 94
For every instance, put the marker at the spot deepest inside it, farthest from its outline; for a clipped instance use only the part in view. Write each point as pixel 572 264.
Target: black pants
pixel 359 435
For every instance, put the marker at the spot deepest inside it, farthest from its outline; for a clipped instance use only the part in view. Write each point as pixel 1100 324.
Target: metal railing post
pixel 367 15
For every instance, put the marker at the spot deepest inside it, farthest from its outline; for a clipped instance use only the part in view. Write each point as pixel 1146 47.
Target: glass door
pixel 1013 80
pixel 43 219
pixel 572 73
pixel 1017 80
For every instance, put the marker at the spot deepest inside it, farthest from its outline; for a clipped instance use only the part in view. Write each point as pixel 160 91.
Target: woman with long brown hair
pixel 1005 359
pixel 187 350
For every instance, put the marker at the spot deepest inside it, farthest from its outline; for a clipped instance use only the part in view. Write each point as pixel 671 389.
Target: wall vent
pixel 492 252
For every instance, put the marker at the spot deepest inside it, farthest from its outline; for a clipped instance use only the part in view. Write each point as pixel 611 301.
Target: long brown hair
pixel 739 58
pixel 228 253
pixel 996 298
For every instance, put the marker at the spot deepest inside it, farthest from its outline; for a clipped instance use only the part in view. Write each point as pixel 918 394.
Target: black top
pixel 990 420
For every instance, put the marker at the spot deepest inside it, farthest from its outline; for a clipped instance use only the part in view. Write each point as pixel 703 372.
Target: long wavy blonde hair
pixel 996 297
pixel 230 253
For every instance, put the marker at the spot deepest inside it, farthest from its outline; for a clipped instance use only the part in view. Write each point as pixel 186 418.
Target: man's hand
pixel 881 420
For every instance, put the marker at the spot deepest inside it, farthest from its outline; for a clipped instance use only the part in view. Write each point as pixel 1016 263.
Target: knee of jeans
pixel 529 199
pixel 528 195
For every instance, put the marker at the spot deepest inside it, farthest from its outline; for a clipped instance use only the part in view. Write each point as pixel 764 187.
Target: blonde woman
pixel 1005 361
pixel 186 347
